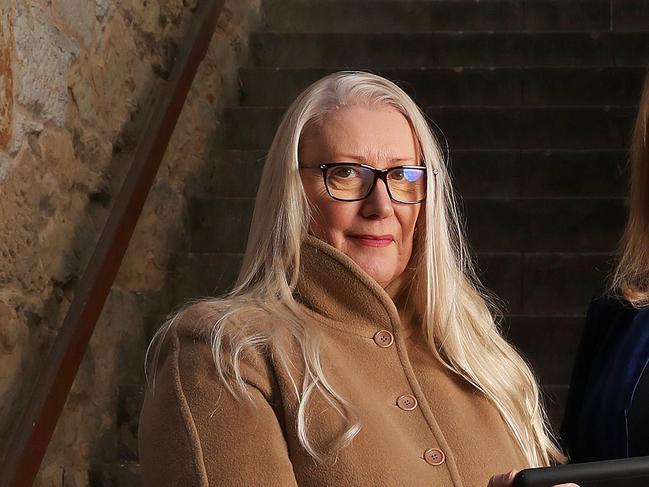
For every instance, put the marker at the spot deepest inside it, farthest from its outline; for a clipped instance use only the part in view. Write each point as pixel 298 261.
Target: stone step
pixel 544 283
pixel 545 174
pixel 494 225
pixel 539 338
pixel 466 86
pixel 449 49
pixel 219 224
pixel 554 399
pixel 630 15
pixel 476 174
pixel 476 128
pixel 545 225
pixel 453 15
pixel 533 284
pixel 200 274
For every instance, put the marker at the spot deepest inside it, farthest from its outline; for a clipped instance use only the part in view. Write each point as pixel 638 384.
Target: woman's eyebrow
pixel 394 159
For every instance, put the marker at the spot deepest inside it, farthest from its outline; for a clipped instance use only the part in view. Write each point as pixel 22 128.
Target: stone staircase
pixel 536 99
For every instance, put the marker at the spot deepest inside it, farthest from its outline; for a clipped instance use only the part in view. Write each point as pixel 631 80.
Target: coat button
pixel 434 456
pixel 383 338
pixel 407 402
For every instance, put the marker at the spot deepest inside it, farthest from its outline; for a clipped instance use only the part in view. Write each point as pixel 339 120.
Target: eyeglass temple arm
pixel 320 166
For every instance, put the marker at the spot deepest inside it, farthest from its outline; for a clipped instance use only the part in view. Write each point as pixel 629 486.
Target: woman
pixel 356 347
pixel 606 413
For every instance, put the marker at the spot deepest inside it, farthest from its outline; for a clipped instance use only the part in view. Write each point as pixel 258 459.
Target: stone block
pixel 545 225
pixel 24 126
pixel 486 174
pixel 630 15
pixel 77 17
pixel 5 163
pixel 632 49
pixel 539 174
pixel 544 86
pixel 14 354
pixel 482 127
pixel 115 355
pixel 567 15
pixel 43 59
pixel 574 174
pixel 562 284
pixel 220 224
pixel 145 14
pixel 544 284
pixel 110 90
pixel 554 399
pixel 549 343
pixel 251 128
pixel 236 174
pixel 502 274
pixel 158 229
pixel 6 76
pixel 582 86
pixel 434 86
pixel 203 274
pixel 535 128
pixel 469 49
pixel 391 16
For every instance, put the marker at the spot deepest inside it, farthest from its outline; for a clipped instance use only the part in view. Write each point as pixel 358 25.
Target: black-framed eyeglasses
pixel 350 181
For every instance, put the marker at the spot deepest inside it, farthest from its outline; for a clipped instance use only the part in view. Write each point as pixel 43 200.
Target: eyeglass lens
pixel 407 185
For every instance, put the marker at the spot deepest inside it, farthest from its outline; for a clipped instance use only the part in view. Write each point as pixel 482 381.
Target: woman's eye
pixel 397 175
pixel 344 172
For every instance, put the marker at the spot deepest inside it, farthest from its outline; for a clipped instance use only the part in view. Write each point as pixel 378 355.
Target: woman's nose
pixel 378 204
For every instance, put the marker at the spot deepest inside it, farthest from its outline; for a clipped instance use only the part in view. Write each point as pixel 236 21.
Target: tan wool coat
pixel 421 425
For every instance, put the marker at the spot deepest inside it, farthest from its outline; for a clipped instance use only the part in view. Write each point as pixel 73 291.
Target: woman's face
pixel 377 232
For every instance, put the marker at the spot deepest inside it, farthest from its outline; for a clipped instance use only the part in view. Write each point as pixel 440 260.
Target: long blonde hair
pixel 458 317
pixel 631 276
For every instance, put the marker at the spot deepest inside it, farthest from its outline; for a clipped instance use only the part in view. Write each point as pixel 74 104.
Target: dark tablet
pixel 626 472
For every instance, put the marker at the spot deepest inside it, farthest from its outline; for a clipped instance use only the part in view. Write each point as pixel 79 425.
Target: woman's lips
pixel 373 240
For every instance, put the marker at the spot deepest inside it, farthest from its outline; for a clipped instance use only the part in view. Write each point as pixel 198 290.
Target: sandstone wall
pixel 77 81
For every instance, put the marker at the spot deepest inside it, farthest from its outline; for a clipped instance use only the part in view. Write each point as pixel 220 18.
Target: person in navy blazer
pixel 607 412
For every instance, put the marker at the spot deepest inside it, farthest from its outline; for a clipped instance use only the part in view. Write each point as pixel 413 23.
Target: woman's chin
pixel 377 271
pixel 377 262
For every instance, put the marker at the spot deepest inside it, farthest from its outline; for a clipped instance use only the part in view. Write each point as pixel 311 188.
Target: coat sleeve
pixel 193 432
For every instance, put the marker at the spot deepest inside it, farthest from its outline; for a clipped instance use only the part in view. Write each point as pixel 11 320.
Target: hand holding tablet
pixel 626 472
pixel 509 479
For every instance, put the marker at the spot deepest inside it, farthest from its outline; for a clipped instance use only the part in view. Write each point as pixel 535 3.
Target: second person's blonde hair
pixel 631 277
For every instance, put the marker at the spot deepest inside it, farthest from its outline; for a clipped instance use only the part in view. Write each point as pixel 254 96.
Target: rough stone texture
pixel 87 75
pixel 87 429
pixel 108 87
pixel 5 162
pixel 6 76
pixel 24 126
pixel 43 57
pixel 13 335
pixel 77 17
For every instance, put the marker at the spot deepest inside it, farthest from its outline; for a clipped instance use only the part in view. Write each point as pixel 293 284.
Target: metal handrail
pixel 34 430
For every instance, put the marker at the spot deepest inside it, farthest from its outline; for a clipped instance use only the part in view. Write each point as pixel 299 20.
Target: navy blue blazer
pixel 607 411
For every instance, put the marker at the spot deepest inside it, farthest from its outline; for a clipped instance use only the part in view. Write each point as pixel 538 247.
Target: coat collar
pixel 342 295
